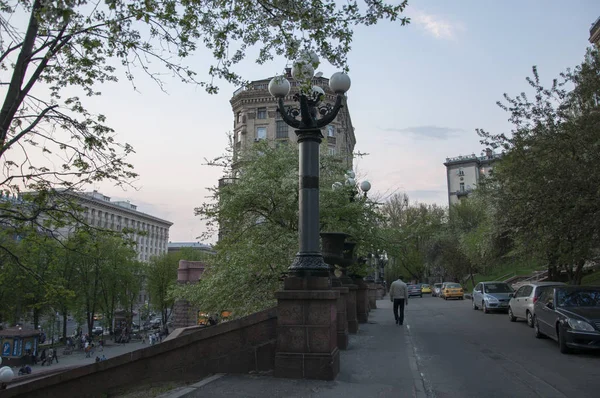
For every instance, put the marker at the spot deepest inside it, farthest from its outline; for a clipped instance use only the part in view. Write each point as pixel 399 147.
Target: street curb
pixel 184 391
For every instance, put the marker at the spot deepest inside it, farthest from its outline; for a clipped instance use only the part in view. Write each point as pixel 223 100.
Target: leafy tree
pixel 408 229
pixel 161 277
pixel 57 53
pixel 547 184
pixel 258 217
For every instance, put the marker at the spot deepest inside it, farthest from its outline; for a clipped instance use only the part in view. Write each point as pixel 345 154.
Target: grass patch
pixel 592 279
pixel 504 272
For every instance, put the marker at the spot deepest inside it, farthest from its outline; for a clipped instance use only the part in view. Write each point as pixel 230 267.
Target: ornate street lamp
pixel 308 118
pixel 363 188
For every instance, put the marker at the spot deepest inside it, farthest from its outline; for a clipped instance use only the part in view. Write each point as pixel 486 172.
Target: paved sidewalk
pixel 76 359
pixel 380 362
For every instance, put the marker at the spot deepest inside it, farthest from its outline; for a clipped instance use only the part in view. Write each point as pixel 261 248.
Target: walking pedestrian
pixel 43 357
pixel 50 356
pixel 54 356
pixel 399 296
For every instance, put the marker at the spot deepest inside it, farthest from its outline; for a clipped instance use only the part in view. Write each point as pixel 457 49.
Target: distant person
pixel 43 357
pixel 54 356
pixel 399 296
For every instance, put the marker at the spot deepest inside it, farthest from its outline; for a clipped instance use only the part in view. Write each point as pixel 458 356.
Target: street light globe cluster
pixel 365 186
pixel 303 69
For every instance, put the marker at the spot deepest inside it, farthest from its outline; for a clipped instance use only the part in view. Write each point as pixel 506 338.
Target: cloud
pixel 432 132
pixel 437 26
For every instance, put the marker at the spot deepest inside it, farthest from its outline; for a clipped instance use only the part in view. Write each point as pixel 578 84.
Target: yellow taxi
pixel 453 290
pixel 425 288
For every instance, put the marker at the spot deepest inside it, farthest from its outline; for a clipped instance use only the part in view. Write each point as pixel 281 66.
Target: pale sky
pixel 418 94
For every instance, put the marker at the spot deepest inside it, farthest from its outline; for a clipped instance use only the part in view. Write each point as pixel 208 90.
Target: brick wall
pixel 189 354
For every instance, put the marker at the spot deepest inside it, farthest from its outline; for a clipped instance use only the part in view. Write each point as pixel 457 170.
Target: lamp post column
pixel 309 259
pixel 307 345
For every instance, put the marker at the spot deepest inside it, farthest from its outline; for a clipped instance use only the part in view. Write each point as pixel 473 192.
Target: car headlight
pixel 576 324
pixel 491 299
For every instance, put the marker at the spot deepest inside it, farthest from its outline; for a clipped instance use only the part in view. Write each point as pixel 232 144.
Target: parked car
pixel 437 290
pixel 491 296
pixel 570 315
pixel 443 288
pixel 414 290
pixel 521 305
pixel 98 331
pixel 425 288
pixel 453 290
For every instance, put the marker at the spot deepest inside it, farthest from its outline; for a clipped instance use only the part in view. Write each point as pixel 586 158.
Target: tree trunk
pixel 64 331
pixel 578 274
pixel 36 319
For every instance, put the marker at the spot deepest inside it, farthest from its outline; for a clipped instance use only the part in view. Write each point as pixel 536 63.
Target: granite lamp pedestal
pixel 373 295
pixel 362 301
pixel 307 346
pixel 333 248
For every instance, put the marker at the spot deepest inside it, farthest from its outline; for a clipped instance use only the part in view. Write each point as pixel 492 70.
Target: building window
pixel 282 129
pixel 462 187
pixel 330 131
pixel 261 113
pixel 261 133
pixel 461 172
pixel 239 117
pixel 238 137
pixel 332 151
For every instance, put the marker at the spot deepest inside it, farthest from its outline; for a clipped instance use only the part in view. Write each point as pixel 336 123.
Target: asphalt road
pixel 465 353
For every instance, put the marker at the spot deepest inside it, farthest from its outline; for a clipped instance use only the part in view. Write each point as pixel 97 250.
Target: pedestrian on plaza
pixel 399 296
pixel 43 357
pixel 54 356
pixel 50 355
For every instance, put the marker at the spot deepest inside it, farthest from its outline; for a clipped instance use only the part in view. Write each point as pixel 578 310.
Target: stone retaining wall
pixel 188 354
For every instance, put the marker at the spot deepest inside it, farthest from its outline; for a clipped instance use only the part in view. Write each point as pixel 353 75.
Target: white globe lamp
pixel 339 82
pixel 365 186
pixel 279 87
pixel 6 374
pixel 302 70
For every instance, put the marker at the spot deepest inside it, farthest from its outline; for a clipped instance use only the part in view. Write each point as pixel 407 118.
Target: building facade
pixel 150 233
pixel 256 119
pixel 178 246
pixel 463 173
pixel 595 33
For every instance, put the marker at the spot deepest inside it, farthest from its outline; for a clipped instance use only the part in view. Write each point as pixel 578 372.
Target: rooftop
pixel 198 245
pixel 595 32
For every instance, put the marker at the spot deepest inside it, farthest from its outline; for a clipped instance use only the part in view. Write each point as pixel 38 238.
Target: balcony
pixel 464 192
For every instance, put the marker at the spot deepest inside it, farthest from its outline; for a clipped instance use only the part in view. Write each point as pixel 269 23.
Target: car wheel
pixel 536 328
pixel 484 308
pixel 529 319
pixel 510 315
pixel 562 340
pixel 475 305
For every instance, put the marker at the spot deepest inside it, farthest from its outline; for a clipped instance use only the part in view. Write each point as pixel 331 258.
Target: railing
pixel 473 157
pixel 263 86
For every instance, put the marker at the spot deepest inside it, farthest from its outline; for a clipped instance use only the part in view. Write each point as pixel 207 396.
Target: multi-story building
pixel 595 33
pixel 463 173
pixel 178 246
pixel 256 118
pixel 150 233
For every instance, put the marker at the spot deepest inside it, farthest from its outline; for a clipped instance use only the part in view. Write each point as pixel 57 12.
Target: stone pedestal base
pixel 307 330
pixel 351 309
pixel 362 301
pixel 372 294
pixel 342 321
pixel 184 314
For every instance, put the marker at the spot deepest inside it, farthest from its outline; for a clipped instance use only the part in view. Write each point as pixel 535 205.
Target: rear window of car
pixel 438 285
pixel 497 288
pixel 424 285
pixel 453 286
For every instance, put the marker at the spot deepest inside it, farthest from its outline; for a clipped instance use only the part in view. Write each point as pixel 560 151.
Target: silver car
pixel 521 305
pixel 491 296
